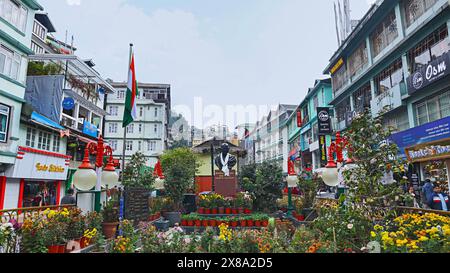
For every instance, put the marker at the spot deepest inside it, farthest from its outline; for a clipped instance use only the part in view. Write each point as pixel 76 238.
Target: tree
pixel 179 167
pixel 137 174
pixel 265 184
pixel 182 143
pixel 375 160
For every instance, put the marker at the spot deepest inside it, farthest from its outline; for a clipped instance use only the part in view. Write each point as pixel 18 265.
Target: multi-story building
pixel 396 63
pixel 270 136
pixel 149 134
pixel 303 134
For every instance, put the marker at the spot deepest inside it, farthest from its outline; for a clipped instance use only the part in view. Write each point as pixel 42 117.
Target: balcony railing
pixel 388 100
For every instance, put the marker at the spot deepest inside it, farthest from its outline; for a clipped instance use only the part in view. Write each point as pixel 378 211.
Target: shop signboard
pixel 324 120
pixel 323 150
pixel 430 132
pixel 40 165
pixel 429 74
pixel 68 103
pixel 90 129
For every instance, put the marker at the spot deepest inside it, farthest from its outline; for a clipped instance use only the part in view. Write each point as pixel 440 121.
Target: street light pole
pixel 292 180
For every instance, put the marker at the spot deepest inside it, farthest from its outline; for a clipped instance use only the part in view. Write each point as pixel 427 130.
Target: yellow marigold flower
pixel 373 234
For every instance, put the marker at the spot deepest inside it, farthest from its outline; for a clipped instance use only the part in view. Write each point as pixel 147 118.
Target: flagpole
pixel 125 128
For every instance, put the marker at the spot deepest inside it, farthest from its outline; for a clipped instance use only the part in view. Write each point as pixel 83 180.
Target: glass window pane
pixel 444 105
pixel 422 114
pixel 440 48
pixel 397 77
pixel 433 111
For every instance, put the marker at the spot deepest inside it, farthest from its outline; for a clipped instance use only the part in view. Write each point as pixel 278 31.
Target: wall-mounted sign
pixel 323 150
pixel 90 129
pixel 336 67
pixel 324 120
pixel 68 103
pixel 430 132
pixel 429 152
pixel 40 165
pixel 427 75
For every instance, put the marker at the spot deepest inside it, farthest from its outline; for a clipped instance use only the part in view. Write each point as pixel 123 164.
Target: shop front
pixel 37 179
pixel 427 147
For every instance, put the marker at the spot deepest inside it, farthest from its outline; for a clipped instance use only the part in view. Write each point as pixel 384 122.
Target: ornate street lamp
pixel 85 178
pixel 292 182
pixel 331 172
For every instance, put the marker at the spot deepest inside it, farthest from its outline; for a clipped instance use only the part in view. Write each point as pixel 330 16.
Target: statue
pixel 225 161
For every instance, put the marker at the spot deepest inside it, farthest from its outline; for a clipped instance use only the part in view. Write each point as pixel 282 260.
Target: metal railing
pixel 21 214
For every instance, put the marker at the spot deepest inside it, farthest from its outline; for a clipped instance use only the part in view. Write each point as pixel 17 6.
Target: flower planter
pixel 183 223
pixel 221 210
pixel 234 211
pixel 212 223
pixel 205 223
pixel 198 223
pixel 214 211
pixel 243 223
pixel 301 218
pixel 84 242
pixel 62 249
pixel 241 210
pixel 228 211
pixel 247 211
pixel 201 210
pixel 265 223
pixel 234 223
pixel 257 223
pixel 250 223
pixel 109 229
pixel 207 211
pixel 190 223
pixel 52 249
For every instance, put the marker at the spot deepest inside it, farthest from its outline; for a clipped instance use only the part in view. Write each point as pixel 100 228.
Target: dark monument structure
pixel 225 179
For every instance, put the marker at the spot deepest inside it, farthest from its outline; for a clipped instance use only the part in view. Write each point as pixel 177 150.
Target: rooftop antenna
pixel 336 24
pixel 341 22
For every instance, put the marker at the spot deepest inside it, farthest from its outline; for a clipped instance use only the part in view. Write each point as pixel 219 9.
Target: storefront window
pixel 4 122
pixel 39 194
pixel 385 33
pixel 398 120
pixel 414 9
pixel 429 49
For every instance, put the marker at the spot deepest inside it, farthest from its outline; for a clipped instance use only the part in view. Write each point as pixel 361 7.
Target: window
pixel 31 137
pixel 156 112
pixel 433 109
pixel 114 111
pixel 362 98
pixel 139 145
pixel 129 145
pixel 358 60
pixel 414 9
pixel 384 34
pixel 432 47
pixel 113 144
pixel 44 141
pixel 121 94
pixel 9 62
pixel 4 122
pixel 339 79
pixel 342 109
pixel 141 111
pixel 389 77
pixel 14 13
pixel 56 144
pixel 140 128
pixel 151 146
pixel 399 121
pixel 113 128
pixel 130 129
pixel 155 128
pixel 316 102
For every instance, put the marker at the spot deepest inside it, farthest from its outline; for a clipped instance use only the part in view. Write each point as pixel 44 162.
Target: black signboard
pixel 427 75
pixel 323 150
pixel 324 120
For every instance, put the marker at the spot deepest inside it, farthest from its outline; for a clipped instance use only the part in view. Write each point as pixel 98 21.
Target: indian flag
pixel 130 114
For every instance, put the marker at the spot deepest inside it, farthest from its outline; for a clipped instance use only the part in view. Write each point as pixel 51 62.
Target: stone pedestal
pixel 226 186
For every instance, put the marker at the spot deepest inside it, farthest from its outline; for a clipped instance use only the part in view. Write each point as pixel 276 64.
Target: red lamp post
pixel 85 178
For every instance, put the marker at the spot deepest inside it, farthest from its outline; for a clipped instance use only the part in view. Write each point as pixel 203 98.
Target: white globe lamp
pixel 85 179
pixel 330 176
pixel 110 178
pixel 292 181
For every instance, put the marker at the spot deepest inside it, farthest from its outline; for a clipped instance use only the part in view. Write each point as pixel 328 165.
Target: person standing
pixel 69 199
pixel 427 191
pixel 439 200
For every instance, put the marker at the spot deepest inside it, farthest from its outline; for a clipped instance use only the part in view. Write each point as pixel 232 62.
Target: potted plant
pixel 213 204
pixel 179 167
pixel 240 202
pixel 257 220
pixel 198 222
pixel 202 203
pixel 233 222
pixel 220 205
pixel 243 221
pixel 110 214
pixel 265 221
pixel 184 220
pixel 205 222
pixel 250 221
pixel 227 204
pixel 212 223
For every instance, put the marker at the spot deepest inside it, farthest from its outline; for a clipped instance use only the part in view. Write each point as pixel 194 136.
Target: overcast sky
pixel 227 52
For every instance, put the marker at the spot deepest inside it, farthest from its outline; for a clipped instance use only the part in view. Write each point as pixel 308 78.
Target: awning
pixel 45 121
